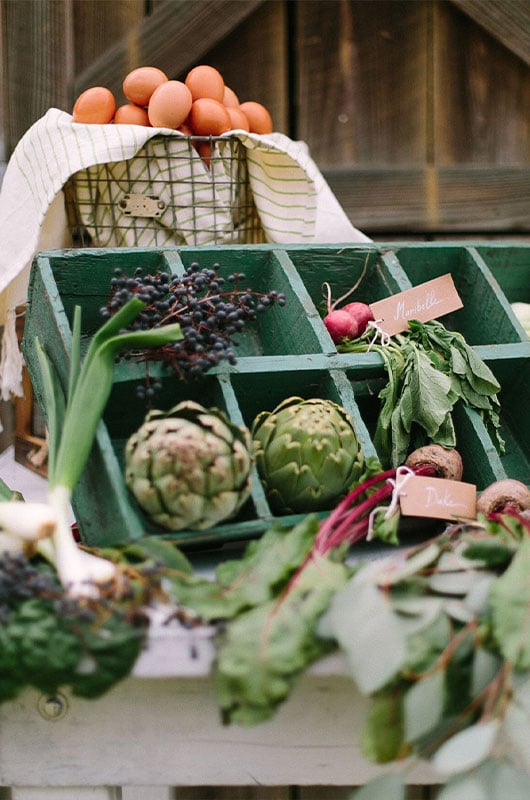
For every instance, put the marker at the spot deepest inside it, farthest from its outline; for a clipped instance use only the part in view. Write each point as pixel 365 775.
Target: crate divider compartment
pixel 290 354
pixel 486 317
pixel 343 267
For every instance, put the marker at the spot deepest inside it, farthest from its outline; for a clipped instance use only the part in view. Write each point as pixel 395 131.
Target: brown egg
pixel 230 98
pixel 205 152
pixel 139 85
pixel 258 116
pixel 209 117
pixel 205 81
pixel 130 114
pixel 169 105
pixel 95 105
pixel 238 120
pixel 185 128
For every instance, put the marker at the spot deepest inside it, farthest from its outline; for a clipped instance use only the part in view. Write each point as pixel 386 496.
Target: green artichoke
pixel 307 454
pixel 190 467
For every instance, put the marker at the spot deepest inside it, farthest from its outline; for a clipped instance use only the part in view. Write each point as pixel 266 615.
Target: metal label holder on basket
pixel 174 191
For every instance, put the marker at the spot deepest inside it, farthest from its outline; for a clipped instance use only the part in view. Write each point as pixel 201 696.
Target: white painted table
pixel 158 735
pixel 161 730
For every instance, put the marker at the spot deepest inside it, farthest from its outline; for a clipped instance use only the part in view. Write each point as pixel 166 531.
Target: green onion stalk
pixel 72 421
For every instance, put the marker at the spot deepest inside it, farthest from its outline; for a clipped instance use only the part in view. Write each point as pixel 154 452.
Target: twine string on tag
pixel 403 474
pixel 384 338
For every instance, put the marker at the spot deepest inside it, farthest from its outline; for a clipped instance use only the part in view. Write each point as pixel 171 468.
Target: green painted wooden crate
pixel 287 351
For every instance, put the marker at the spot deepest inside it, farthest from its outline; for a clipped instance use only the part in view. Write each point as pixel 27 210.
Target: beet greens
pixel 430 369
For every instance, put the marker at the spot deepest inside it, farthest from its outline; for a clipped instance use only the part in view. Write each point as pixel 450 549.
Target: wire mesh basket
pixel 192 190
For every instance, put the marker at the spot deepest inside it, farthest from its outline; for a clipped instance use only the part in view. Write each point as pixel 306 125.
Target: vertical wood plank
pixel 253 60
pixel 361 81
pixel 232 793
pixel 348 792
pixel 37 62
pixel 98 24
pixel 325 792
pixel 481 95
pixel 3 155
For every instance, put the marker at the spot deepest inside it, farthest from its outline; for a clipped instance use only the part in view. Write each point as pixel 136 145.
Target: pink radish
pixel 336 319
pixel 361 313
pixel 341 325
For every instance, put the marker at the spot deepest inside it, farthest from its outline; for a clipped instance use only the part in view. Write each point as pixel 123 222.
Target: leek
pixel 72 422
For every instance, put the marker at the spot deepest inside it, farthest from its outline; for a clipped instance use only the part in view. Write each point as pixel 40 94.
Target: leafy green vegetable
pixel 263 651
pixel 257 577
pixel 429 370
pixel 49 647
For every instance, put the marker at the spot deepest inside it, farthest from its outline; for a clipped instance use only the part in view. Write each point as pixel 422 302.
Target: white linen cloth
pixel 294 202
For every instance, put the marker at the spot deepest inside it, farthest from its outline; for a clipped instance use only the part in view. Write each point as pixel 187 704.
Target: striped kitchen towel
pixel 294 202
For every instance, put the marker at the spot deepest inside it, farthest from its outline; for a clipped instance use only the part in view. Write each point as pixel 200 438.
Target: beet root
pixel 504 495
pixel 447 463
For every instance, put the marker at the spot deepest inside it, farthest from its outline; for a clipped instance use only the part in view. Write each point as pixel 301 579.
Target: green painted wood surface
pixel 287 352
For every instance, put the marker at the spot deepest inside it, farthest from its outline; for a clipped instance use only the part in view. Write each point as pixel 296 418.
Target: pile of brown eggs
pixel 201 105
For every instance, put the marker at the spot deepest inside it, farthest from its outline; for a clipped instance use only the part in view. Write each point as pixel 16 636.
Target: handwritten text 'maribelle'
pixel 418 308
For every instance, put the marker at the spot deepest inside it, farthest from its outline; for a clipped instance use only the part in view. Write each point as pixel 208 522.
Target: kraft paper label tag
pixel 438 498
pixel 427 301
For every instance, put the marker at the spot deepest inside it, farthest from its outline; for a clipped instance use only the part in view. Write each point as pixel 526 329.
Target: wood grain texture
pixel 459 199
pixel 37 62
pixel 99 24
pixel 362 80
pixel 175 36
pixel 253 59
pixel 507 20
pixel 168 733
pixel 479 118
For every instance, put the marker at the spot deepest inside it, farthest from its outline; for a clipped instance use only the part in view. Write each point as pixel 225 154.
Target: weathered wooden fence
pixel 417 111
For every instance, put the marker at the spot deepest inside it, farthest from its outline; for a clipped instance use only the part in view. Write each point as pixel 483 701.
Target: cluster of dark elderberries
pixel 21 580
pixel 211 310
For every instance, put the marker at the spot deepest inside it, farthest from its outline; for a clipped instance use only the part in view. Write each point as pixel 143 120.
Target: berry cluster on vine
pixel 211 310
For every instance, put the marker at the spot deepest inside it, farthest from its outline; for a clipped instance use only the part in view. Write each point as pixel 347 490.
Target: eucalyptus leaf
pixel 389 787
pixel 510 601
pixel 382 735
pixel 459 671
pixel 366 628
pixel 453 583
pixel 423 705
pixel 495 779
pixel 478 597
pixel 425 647
pixel 515 727
pixel 467 749
pixel 521 690
pixel 416 614
pixel 410 565
pixel 486 666
pixel 458 611
pixel 491 550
